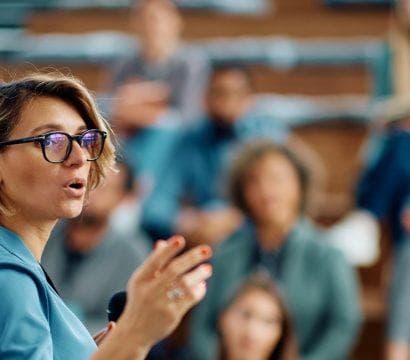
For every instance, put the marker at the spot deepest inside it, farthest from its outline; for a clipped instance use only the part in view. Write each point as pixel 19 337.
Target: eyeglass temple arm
pixel 21 141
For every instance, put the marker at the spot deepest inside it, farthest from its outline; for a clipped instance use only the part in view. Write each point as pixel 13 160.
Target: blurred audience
pixel 255 324
pixel 269 184
pixel 190 199
pixel 400 48
pixel 157 89
pixel 93 252
pixel 385 183
pixel 398 346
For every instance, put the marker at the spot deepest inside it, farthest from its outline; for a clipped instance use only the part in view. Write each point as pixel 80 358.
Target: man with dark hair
pixel 189 199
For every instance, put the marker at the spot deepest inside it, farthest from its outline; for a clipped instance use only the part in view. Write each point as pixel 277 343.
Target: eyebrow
pixel 55 127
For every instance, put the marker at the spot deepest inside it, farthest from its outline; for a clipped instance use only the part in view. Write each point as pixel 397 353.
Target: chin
pixel 70 211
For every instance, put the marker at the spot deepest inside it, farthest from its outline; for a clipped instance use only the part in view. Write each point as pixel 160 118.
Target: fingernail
pixel 206 251
pixel 177 241
pixel 208 268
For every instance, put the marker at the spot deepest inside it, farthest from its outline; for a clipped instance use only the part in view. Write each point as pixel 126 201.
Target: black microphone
pixel 116 305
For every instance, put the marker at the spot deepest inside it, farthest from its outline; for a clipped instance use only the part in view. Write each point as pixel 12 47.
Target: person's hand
pixel 139 103
pixel 102 334
pixel 164 288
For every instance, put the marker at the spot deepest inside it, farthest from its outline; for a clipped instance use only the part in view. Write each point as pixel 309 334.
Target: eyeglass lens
pixel 57 145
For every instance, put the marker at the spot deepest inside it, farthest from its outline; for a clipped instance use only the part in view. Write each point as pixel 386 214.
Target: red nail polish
pixel 206 251
pixel 176 241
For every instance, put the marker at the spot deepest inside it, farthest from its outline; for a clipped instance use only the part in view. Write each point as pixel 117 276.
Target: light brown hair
pixel 254 151
pixel 15 96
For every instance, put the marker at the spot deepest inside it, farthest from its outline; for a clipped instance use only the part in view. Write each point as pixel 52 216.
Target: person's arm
pixel 151 313
pixel 380 182
pixel 24 331
pixel 343 311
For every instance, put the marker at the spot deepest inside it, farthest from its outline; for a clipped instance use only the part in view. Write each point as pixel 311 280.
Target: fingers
pixel 198 293
pixel 163 253
pixel 190 281
pixel 102 334
pixel 186 262
pixel 111 326
pixel 99 337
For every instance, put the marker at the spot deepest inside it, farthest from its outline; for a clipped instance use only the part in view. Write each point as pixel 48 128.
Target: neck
pixel 272 235
pixel 34 234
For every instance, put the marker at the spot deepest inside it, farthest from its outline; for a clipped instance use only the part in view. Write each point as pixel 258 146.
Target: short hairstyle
pixel 222 66
pixel 286 348
pixel 248 155
pixel 16 95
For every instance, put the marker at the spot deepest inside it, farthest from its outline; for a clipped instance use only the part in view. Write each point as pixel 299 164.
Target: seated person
pixel 255 323
pixel 383 187
pixel 269 184
pixel 189 198
pixel 89 259
pixel 398 334
pixel 399 52
pixel 157 89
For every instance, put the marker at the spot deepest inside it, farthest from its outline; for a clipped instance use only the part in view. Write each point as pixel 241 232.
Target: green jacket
pixel 318 285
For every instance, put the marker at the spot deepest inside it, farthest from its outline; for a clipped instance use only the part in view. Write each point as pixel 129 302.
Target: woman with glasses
pixel 54 149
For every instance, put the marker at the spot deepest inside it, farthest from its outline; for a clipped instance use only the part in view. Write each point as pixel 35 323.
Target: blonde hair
pixel 16 95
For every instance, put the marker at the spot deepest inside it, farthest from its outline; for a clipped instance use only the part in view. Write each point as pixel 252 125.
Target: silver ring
pixel 175 294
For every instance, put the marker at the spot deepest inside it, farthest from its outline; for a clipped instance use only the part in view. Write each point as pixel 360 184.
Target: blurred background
pixel 324 70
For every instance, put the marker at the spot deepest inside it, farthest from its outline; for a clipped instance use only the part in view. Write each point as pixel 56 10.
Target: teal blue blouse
pixel 35 322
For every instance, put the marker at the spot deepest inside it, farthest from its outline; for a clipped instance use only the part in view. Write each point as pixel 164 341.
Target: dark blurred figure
pixel 91 257
pixel 190 199
pixel 255 324
pixel 398 346
pixel 385 183
pixel 157 89
pixel 270 184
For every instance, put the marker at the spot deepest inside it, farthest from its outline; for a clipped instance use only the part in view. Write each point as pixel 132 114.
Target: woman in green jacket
pixel 270 185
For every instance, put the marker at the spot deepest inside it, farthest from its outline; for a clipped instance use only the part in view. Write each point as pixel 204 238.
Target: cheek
pixel 251 196
pixel 268 338
pixel 229 328
pixel 25 177
pixel 294 196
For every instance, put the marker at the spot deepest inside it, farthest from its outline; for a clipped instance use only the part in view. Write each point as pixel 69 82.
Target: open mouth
pixel 76 186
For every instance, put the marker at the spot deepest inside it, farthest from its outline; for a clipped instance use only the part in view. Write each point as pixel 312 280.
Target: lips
pixel 75 187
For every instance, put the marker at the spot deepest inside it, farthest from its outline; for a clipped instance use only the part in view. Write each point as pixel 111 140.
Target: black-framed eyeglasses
pixel 57 145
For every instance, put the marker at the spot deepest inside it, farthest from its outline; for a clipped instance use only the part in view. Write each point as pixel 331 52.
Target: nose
pixel 77 156
pixel 251 329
